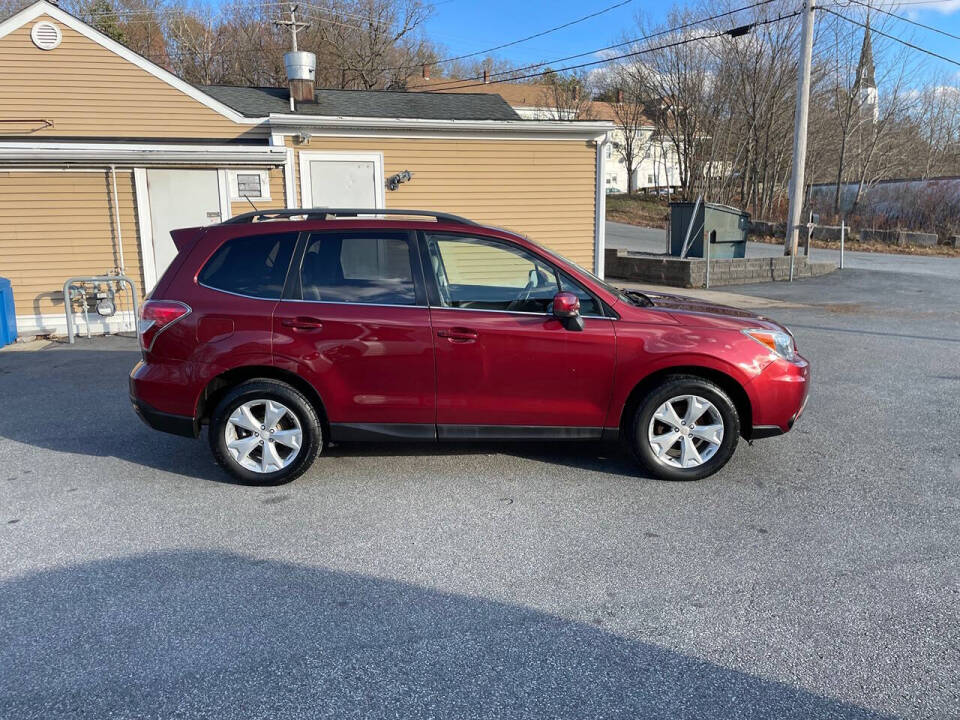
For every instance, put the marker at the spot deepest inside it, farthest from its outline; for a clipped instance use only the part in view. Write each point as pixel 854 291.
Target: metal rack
pixel 333 213
pixel 103 290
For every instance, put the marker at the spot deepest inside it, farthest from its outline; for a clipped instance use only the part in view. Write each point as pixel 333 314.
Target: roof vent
pixel 301 74
pixel 45 35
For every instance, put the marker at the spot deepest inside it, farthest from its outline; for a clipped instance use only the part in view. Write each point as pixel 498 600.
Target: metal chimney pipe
pixel 301 69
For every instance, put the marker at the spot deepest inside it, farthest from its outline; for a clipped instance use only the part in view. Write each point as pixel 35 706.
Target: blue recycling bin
pixel 8 316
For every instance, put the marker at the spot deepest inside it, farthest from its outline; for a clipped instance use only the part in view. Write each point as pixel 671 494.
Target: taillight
pixel 156 316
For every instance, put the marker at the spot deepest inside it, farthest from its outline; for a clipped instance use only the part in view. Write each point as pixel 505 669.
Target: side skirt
pixel 388 432
pixel 382 432
pixel 517 432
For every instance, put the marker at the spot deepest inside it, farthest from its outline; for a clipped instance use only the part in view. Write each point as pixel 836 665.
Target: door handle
pixel 458 334
pixel 302 323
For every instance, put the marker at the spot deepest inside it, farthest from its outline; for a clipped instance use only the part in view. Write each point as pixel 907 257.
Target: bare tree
pixel 370 44
pixel 861 136
pixel 624 95
pixel 678 78
pixel 567 95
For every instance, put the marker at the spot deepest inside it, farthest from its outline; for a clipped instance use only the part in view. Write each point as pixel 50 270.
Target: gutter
pixel 587 130
pixel 140 155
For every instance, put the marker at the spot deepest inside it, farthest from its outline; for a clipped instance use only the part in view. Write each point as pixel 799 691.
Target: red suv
pixel 284 330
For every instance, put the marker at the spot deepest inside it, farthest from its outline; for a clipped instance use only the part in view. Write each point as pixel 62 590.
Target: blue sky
pixel 468 25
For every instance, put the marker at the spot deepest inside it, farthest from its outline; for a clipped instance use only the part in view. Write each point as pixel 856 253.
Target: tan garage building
pixel 102 153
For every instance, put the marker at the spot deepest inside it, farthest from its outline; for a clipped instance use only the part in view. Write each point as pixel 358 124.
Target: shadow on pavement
pixel 213 634
pixel 75 400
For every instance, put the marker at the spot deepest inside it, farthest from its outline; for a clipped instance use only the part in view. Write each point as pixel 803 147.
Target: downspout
pixel 600 202
pixel 116 210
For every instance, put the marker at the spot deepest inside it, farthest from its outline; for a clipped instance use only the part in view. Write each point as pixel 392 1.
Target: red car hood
pixel 692 311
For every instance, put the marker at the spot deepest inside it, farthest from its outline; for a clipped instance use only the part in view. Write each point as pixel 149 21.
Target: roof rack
pixel 332 213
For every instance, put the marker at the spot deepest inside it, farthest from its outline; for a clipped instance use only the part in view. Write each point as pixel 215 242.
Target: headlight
pixel 777 342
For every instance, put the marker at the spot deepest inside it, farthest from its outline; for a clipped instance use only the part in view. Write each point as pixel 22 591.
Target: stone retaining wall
pixel 899 237
pixel 831 233
pixel 691 273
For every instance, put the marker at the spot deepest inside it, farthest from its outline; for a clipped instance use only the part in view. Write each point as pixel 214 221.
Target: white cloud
pixel 944 7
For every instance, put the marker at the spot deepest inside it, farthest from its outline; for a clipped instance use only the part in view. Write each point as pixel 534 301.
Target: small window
pixel 255 265
pixel 249 184
pixel 480 274
pixel 649 179
pixel 358 269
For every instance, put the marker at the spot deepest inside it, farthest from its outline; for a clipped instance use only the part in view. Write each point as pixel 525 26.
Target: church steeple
pixel 865 86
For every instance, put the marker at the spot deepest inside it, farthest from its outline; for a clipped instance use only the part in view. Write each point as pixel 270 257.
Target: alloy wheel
pixel 685 431
pixel 263 436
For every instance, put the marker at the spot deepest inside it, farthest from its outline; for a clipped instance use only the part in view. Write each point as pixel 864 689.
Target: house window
pixel 249 184
pixel 609 152
pixel 649 179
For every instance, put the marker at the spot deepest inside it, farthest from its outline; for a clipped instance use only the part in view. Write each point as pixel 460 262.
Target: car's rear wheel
pixel 685 429
pixel 265 432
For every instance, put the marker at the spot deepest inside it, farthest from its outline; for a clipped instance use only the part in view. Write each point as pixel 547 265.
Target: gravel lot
pixel 815 577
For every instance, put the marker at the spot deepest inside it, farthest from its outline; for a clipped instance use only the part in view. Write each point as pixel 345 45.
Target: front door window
pixel 480 274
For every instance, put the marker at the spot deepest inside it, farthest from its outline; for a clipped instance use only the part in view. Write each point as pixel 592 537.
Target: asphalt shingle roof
pixel 260 102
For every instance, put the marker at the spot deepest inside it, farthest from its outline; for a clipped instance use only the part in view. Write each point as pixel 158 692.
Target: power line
pixel 733 32
pixel 447 85
pixel 922 2
pixel 893 37
pixel 514 42
pixel 907 20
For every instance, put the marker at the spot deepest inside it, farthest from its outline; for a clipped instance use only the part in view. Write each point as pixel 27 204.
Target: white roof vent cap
pixel 46 35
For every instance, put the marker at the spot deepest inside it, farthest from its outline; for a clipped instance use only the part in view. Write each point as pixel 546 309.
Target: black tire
pixel 672 387
pixel 292 399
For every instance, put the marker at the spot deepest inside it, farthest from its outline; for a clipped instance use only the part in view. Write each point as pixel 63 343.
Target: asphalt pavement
pixel 631 237
pixel 816 576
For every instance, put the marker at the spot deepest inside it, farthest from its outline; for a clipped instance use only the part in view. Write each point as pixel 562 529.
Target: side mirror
pixel 566 308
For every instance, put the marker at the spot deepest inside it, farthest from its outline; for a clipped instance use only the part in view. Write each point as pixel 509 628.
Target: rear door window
pixel 368 268
pixel 254 265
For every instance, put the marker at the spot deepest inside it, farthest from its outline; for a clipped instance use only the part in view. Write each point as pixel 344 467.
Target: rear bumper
pixel 184 425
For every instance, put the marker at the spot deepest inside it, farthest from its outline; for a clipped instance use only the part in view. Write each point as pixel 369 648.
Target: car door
pixel 354 323
pixel 502 358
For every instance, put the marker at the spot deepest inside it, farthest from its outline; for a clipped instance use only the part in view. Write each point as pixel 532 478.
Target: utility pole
pixel 800 131
pixel 294 26
pixel 301 67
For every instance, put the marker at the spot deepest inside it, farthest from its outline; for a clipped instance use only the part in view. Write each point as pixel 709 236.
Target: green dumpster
pixel 725 227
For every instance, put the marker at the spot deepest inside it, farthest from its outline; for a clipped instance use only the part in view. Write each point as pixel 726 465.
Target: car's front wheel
pixel 265 432
pixel 685 429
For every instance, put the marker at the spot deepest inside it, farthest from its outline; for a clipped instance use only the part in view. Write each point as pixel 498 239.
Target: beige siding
pixel 54 225
pixel 87 90
pixel 544 189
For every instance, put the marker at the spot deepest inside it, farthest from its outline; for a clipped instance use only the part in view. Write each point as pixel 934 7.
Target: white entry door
pixel 342 180
pixel 179 199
